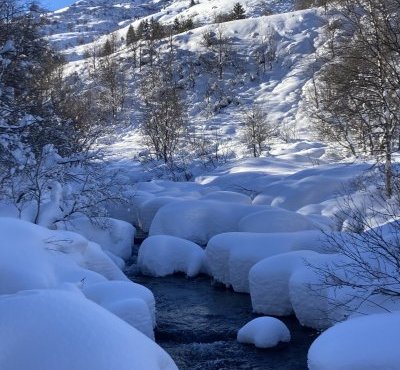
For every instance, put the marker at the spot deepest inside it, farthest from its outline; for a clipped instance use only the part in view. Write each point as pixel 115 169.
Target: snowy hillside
pixel 85 21
pixel 215 106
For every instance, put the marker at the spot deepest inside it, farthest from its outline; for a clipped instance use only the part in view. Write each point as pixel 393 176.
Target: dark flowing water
pixel 197 325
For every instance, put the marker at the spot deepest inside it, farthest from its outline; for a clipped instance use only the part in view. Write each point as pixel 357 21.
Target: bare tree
pixel 367 271
pixel 266 52
pixel 112 86
pixel 221 47
pixel 355 96
pixel 165 123
pixel 257 129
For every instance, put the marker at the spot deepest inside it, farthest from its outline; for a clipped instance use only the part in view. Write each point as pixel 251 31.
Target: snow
pixel 316 305
pixel 199 220
pixel 228 196
pixel 132 302
pixel 264 332
pixel 163 255
pixel 275 220
pixel 149 209
pixel 230 256
pixel 129 211
pixel 48 329
pixel 114 236
pixel 24 262
pixel 258 216
pixel 269 282
pixel 365 343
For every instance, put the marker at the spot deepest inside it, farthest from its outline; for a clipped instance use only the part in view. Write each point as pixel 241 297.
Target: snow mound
pixel 228 196
pixel 275 220
pixel 199 220
pixel 24 261
pixel 269 282
pixel 148 210
pixel 316 305
pixel 365 343
pixel 33 257
pixel 163 255
pixel 230 256
pixel 50 330
pixel 264 332
pixel 131 302
pixel 112 235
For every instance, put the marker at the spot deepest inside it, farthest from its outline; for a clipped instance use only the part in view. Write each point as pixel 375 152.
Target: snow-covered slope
pixel 215 105
pixel 86 20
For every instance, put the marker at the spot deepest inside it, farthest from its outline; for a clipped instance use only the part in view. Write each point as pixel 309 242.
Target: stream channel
pixel 197 324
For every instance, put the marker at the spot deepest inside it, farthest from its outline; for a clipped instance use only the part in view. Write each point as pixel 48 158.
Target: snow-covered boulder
pixel 50 330
pixel 264 332
pixel 275 220
pixel 96 260
pixel 132 302
pixel 365 343
pixel 199 220
pixel 269 282
pixel 228 196
pixel 148 210
pixel 162 255
pixel 314 303
pixel 230 256
pixel 114 236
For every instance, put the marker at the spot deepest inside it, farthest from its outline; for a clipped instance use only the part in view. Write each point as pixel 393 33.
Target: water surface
pixel 197 325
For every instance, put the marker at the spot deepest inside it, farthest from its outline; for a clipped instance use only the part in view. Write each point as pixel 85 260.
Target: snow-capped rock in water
pixel 269 282
pixel 230 256
pixel 48 329
pixel 364 343
pixel 163 255
pixel 228 196
pixel 199 220
pixel 264 332
pixel 275 220
pixel 315 304
pixel 131 302
pixel 149 209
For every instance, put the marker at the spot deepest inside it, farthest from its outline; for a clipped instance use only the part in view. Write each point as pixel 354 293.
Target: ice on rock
pixel 61 330
pixel 163 255
pixel 230 256
pixel 199 220
pixel 275 220
pixel 269 282
pixel 131 302
pixel 112 235
pixel 264 332
pixel 365 343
